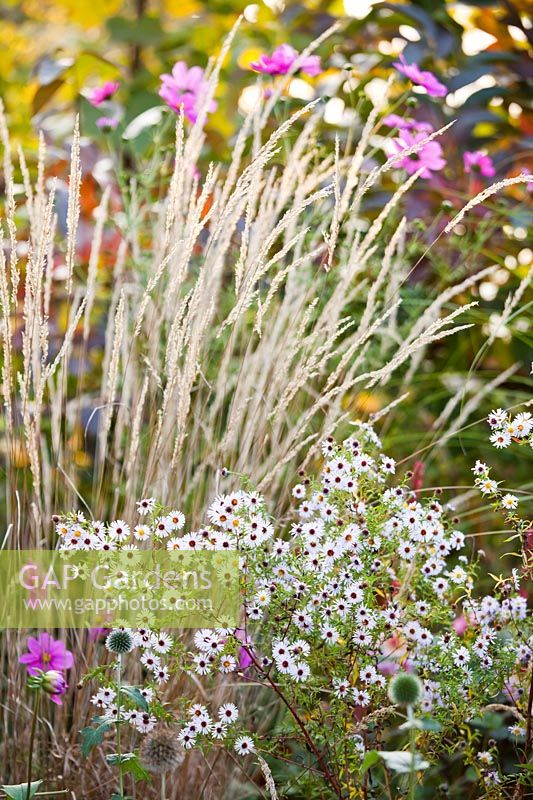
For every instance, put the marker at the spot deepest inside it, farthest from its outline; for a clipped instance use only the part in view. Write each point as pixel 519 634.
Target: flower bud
pixel 405 689
pixel 119 642
pixel 54 683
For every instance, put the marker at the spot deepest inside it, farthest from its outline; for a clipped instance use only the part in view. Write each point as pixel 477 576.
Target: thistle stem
pixel 36 707
pixel 164 786
pixel 119 752
pixel 412 742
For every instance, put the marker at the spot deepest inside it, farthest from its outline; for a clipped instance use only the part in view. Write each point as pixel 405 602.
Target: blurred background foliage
pixel 54 50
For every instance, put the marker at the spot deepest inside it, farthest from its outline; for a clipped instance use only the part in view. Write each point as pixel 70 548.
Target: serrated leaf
pixel 20 790
pixel 129 763
pixel 134 694
pixel 93 736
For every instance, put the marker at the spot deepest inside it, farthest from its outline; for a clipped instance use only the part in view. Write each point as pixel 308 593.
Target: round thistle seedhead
pixel 161 751
pixel 405 689
pixel 119 642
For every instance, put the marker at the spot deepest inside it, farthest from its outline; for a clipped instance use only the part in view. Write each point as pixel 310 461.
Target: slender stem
pixel 328 775
pixel 164 786
pixel 32 739
pixel 119 752
pixel 412 741
pixel 529 730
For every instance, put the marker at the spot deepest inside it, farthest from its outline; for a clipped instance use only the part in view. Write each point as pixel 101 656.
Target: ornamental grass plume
pixel 242 315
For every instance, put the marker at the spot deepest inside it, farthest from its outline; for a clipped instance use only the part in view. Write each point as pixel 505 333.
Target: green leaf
pixel 93 736
pixel 129 763
pixel 20 790
pixel 371 759
pixel 421 724
pixel 145 31
pixel 429 724
pixel 134 694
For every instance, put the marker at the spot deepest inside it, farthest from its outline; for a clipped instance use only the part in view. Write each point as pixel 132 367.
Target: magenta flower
pixel 477 161
pixel 460 624
pixel 185 88
pixel 428 158
pixel 46 654
pixel 529 187
pixel 102 93
pixel 281 62
pixel 407 124
pixel 422 78
pixel 106 123
pixel 55 685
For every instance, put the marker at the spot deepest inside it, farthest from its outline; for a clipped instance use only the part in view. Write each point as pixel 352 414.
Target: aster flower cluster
pixel 506 430
pixel 371 581
pixel 78 533
pixel 366 586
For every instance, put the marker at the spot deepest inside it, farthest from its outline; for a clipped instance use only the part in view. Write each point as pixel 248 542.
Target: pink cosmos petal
pixel 55 698
pixel 407 124
pixel 477 161
pixel 34 645
pixel 102 93
pixel 282 60
pixel 185 88
pixel 311 66
pixel 28 658
pixel 429 158
pixel 46 653
pixel 421 78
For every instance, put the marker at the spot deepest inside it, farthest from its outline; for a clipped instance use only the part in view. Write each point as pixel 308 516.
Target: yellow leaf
pixel 249 55
pixel 181 8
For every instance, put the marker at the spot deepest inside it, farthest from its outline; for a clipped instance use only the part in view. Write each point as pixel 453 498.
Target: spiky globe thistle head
pixel 405 689
pixel 119 642
pixel 161 751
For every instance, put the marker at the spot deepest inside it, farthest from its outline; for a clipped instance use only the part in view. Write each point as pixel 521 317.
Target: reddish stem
pixel 328 775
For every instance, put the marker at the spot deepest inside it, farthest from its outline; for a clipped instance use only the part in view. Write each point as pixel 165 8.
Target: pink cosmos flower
pixel 282 60
pixel 406 123
pixel 106 123
pixel 185 87
pixel 102 93
pixel 46 653
pixel 422 78
pixel 477 161
pixel 460 624
pixel 428 158
pixel 529 187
